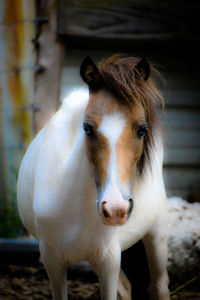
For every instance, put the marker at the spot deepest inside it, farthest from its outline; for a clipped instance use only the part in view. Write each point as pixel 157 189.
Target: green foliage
pixel 10 225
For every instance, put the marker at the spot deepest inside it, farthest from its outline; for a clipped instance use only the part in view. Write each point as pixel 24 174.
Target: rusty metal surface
pixel 17 61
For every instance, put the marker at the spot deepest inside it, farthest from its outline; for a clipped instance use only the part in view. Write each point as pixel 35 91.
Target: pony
pixel 90 184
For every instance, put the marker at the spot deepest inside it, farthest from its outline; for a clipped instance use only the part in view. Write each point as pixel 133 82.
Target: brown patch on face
pixel 100 103
pixel 98 151
pixel 97 145
pixel 129 147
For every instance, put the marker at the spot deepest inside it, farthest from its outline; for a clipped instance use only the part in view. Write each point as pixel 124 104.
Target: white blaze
pixel 112 127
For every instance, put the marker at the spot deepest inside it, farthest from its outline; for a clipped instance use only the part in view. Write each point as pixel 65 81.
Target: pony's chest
pixel 84 242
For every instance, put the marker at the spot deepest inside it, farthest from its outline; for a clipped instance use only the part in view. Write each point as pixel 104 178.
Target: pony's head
pixel 120 123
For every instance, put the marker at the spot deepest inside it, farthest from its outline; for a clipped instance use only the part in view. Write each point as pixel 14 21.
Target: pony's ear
pixel 143 68
pixel 89 72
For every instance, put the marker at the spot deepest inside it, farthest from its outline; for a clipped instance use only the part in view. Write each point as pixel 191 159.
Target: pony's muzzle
pixel 115 214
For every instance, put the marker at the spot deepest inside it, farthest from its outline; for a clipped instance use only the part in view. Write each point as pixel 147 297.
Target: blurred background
pixel 42 44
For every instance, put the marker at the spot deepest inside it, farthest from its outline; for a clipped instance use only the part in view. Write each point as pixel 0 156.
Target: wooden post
pixel 50 53
pixel 17 65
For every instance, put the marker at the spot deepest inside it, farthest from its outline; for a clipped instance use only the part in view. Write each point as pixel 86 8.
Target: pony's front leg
pixel 56 271
pixel 107 270
pixel 124 287
pixel 155 243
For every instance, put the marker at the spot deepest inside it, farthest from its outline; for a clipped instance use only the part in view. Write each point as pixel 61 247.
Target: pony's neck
pixel 81 175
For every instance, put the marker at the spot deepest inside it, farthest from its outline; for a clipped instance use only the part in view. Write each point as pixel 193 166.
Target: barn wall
pixel 182 127
pixel 181 118
pixel 16 94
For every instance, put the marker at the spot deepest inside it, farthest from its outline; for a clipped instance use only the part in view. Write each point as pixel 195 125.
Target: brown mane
pixel 120 77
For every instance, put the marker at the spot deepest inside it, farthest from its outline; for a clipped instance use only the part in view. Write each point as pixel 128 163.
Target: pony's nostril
pixel 105 213
pixel 130 200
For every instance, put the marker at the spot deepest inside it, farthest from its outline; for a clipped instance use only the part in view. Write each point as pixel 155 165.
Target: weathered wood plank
pixel 184 97
pixel 129 19
pixel 182 157
pixel 47 87
pixel 182 139
pixel 183 182
pixel 182 118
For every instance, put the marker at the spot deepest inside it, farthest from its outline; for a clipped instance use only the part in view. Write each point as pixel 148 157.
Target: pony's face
pixel 114 138
pixel 119 123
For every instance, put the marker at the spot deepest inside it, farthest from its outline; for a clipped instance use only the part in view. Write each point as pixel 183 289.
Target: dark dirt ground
pixel 28 283
pixel 31 283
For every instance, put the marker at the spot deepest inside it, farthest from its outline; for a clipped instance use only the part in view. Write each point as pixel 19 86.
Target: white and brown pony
pixel 91 184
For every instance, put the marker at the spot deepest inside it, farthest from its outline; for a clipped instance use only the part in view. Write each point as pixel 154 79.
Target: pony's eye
pixel 142 130
pixel 88 129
